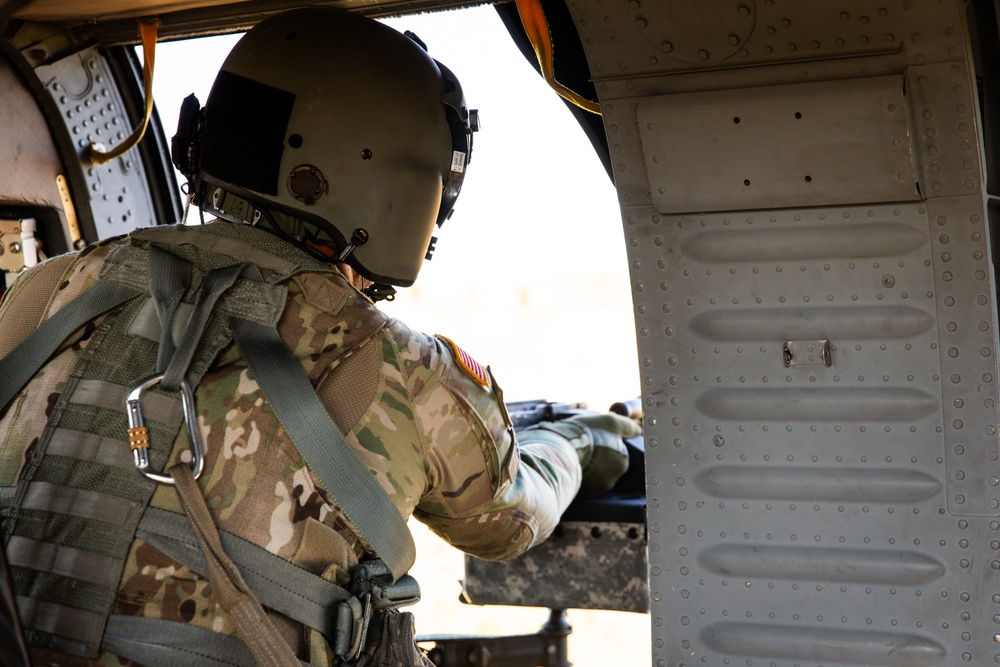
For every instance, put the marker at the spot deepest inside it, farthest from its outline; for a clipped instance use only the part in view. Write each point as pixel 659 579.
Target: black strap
pixel 18 367
pixel 323 447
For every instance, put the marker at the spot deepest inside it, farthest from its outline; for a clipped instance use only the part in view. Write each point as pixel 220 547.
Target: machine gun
pixel 595 559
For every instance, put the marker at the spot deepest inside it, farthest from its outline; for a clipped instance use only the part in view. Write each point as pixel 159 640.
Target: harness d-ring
pixel 138 434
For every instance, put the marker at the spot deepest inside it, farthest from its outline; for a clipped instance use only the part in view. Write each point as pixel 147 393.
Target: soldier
pixel 329 148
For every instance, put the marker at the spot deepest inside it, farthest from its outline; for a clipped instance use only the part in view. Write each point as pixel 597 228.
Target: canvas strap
pixel 18 367
pixel 324 448
pixel 228 587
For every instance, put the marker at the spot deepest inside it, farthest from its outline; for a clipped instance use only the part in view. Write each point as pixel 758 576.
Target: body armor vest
pixel 80 502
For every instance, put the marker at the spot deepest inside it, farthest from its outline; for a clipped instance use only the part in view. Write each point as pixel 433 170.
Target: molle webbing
pixel 79 489
pixel 17 368
pixel 279 584
pixel 74 494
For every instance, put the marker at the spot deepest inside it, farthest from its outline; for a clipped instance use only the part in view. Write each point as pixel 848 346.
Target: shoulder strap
pixel 293 400
pixel 323 447
pixel 18 367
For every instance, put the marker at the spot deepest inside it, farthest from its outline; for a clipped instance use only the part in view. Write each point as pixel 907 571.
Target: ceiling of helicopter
pixel 110 22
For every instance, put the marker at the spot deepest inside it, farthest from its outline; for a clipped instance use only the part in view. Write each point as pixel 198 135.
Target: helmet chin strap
pixel 236 209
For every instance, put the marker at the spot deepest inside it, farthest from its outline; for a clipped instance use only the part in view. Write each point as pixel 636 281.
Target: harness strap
pixel 169 277
pixel 216 282
pixel 324 448
pixel 280 585
pixel 154 641
pixel 228 587
pixel 18 367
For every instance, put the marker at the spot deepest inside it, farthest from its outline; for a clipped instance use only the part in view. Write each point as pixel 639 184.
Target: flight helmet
pixel 332 129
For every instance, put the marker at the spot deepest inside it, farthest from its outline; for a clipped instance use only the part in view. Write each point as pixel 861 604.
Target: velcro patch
pixel 468 364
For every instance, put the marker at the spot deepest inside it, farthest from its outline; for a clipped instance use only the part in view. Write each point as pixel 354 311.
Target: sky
pixel 530 276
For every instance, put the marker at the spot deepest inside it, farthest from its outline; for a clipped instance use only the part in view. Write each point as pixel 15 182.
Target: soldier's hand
pixel 597 438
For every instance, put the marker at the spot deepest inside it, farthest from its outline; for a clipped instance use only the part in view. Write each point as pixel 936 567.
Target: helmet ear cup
pixel 463 123
pixel 185 145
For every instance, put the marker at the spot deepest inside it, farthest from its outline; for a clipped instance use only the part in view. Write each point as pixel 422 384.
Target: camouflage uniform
pixel 435 435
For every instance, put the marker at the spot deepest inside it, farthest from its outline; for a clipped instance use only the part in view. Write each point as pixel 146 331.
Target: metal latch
pixel 806 353
pixel 18 248
pixel 138 434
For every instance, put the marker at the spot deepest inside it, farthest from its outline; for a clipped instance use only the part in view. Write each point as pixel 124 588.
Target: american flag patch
pixel 470 365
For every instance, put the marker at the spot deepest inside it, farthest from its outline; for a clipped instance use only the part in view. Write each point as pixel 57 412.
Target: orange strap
pixel 537 29
pixel 147 32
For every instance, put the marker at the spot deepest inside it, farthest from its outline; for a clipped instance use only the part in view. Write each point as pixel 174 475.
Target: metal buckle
pixel 366 617
pixel 138 434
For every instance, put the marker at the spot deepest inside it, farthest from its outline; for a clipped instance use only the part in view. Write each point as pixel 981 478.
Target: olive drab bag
pixel 167 301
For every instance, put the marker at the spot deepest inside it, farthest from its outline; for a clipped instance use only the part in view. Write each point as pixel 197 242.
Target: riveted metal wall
pixel 87 96
pixel 803 204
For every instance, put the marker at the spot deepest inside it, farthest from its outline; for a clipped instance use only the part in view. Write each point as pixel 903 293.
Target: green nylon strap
pixel 323 447
pixel 154 642
pixel 280 585
pixel 229 591
pixel 169 277
pixel 215 283
pixel 18 367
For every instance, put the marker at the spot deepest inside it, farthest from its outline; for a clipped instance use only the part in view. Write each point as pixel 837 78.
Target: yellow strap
pixel 147 32
pixel 537 29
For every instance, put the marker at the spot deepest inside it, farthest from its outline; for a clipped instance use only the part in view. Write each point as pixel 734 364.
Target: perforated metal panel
pixel 826 510
pixel 86 94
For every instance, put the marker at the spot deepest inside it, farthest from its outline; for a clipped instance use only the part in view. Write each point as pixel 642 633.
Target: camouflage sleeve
pixel 486 495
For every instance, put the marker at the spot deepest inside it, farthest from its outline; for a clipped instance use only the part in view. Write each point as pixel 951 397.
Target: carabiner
pixel 138 434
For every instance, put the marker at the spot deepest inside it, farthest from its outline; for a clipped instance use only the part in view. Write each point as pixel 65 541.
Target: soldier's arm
pixel 487 495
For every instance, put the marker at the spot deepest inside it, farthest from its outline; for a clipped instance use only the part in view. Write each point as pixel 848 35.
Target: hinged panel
pixel 807 144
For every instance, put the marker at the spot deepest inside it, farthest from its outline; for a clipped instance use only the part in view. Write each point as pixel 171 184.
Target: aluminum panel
pixel 805 515
pixel 635 38
pixel 85 91
pixel 806 144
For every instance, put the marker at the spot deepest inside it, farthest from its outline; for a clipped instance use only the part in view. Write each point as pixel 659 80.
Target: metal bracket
pixel 546 648
pixel 18 248
pixel 806 353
